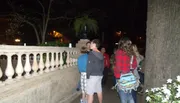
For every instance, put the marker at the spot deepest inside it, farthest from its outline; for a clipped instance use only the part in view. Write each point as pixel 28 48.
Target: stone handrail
pixel 17 62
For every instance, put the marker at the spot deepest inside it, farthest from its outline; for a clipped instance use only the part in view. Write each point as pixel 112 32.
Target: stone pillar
pixel 19 67
pixel 47 64
pixel 35 64
pixel 27 67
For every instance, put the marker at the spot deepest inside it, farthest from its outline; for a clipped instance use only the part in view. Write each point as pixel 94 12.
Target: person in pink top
pixel 106 65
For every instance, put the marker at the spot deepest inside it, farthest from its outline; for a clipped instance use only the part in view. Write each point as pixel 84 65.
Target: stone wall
pixel 53 87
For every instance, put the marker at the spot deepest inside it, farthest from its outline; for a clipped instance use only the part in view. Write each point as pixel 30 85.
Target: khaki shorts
pixel 94 85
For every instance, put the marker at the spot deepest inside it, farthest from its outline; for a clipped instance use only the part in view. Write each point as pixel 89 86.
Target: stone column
pixel 19 67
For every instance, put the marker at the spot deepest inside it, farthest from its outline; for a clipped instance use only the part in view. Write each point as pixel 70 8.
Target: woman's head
pixel 103 50
pixel 135 49
pixel 88 45
pixel 84 50
pixel 125 45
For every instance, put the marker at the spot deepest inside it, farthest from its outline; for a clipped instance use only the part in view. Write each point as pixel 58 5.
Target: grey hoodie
pixel 95 65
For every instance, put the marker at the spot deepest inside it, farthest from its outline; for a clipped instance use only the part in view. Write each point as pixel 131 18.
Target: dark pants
pixel 105 77
pixel 141 77
pixel 134 95
pixel 78 85
pixel 114 80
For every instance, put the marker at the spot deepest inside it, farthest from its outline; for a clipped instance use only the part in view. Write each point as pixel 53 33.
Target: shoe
pixel 85 101
pixel 81 101
pixel 77 89
pixel 140 90
pixel 113 88
pixel 141 93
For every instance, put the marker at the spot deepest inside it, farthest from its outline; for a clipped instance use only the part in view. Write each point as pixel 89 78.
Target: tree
pixel 14 26
pixel 163 39
pixel 85 25
pixel 37 20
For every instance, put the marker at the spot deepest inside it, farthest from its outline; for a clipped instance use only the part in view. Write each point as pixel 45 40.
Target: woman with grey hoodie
pixel 95 67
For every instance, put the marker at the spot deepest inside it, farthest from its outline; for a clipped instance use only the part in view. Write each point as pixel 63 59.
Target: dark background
pixel 112 15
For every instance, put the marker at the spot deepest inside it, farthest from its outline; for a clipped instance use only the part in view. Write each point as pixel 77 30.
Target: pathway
pixel 109 95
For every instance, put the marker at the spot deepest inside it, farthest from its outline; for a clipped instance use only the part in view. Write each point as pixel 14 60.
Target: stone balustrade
pixel 18 62
pixel 22 66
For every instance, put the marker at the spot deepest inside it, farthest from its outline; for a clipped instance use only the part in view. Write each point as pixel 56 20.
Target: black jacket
pixel 95 65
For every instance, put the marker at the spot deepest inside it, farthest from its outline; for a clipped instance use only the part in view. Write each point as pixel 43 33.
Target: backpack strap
pixel 131 62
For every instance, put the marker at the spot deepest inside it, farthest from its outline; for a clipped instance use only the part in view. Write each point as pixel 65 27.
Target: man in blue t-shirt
pixel 82 63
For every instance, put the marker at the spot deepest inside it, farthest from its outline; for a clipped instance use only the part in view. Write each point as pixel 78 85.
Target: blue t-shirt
pixel 82 62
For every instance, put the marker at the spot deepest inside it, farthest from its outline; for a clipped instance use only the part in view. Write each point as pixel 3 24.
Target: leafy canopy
pixel 91 25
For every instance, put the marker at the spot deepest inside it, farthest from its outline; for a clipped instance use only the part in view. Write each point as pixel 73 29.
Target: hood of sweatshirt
pixel 98 55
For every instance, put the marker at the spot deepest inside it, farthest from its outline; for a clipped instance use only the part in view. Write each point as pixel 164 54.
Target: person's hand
pixel 96 50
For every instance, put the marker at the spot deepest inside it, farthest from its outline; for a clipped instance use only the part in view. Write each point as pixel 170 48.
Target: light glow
pixel 56 34
pixel 17 40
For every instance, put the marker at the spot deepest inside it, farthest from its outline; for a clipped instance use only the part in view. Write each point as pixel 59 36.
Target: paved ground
pixel 109 96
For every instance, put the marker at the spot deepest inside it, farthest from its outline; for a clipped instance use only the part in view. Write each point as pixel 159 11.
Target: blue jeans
pixel 125 97
pixel 134 95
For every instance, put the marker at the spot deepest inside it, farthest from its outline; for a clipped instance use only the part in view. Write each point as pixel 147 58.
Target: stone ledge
pixel 46 88
pixel 70 98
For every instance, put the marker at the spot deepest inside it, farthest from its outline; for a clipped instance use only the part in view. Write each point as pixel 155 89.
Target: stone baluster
pixel 35 64
pixel 19 67
pixel 41 64
pixel 68 61
pixel 9 69
pixel 57 60
pixel 47 62
pixel 27 67
pixel 77 53
pixel 71 58
pixel 52 61
pixel 65 62
pixel 1 73
pixel 61 60
pixel 75 59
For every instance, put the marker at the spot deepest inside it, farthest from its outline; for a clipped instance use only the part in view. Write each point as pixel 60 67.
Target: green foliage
pixel 91 25
pixel 55 43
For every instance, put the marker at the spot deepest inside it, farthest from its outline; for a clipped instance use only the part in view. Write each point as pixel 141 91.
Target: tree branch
pixel 22 18
pixel 61 17
pixel 46 21
pixel 41 6
pixel 35 30
pixel 44 14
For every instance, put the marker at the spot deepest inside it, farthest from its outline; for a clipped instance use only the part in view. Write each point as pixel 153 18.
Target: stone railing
pixel 20 63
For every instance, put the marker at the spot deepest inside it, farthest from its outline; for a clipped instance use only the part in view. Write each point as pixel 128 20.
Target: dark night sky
pixel 126 15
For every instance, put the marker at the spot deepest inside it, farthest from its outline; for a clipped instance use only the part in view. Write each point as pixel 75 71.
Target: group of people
pixel 94 66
